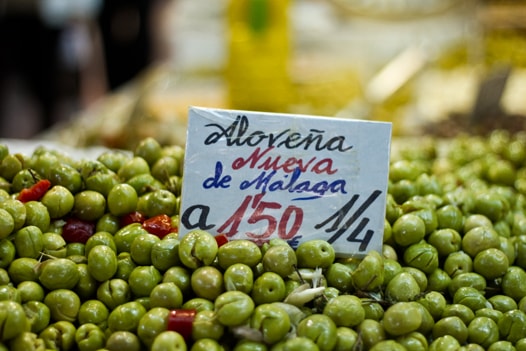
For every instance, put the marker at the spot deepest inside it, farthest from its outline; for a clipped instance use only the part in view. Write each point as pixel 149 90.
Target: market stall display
pixel 91 259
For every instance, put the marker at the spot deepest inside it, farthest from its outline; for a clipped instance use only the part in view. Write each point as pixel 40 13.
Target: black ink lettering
pixel 236 135
pixel 339 215
pixel 201 222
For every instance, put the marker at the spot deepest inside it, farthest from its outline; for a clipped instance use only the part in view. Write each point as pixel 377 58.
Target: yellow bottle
pixel 258 55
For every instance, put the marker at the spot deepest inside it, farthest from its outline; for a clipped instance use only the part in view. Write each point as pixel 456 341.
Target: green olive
pixel 7 251
pixel 66 176
pixel 59 273
pixel 87 285
pixel 314 254
pixel 197 248
pixel 100 238
pixel 164 254
pixel 157 202
pixel 13 319
pixel 38 315
pixel 89 205
pixel 126 317
pixel 453 326
pixel 239 277
pixel 122 199
pixel 141 248
pixel 413 341
pixel 94 312
pixel 165 167
pixel 181 276
pixel 54 245
pixel 16 209
pixel 167 295
pixel 123 340
pixel 408 229
pixel 492 263
pixel 170 341
pixel 371 332
pixel 469 279
pixel 124 237
pixel 59 201
pixel 59 335
pixel 37 215
pixel 24 179
pixel 422 256
pixel 247 345
pixel 489 312
pixel 30 291
pixel 10 165
pixel 369 274
pixel 89 337
pixel 23 269
pixel 143 279
pixel 102 262
pixel 108 223
pixel 113 159
pixel 462 311
pixel 512 325
pixel 274 323
pixel 238 251
pixel 514 283
pixel 132 167
pixel 450 216
pixel 7 224
pixel 207 282
pixel 152 324
pixel 199 304
pixel 148 149
pixel 444 343
pixel 28 242
pixel 339 275
pixel 345 310
pixel 268 287
pixel 457 263
pixel 64 305
pixel 8 292
pixel 297 343
pixel 280 259
pixel 143 184
pixel 434 302
pixel 206 326
pixel 233 308
pixel 479 239
pixel 113 292
pixel 445 241
pixel 483 331
pixel 470 297
pixel 402 318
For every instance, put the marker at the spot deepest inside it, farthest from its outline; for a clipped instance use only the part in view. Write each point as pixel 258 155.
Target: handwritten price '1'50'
pixel 231 225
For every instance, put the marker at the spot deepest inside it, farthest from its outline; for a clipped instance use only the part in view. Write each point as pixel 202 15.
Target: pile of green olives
pixel 90 259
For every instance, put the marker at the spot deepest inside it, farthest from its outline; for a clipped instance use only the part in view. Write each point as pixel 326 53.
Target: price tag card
pixel 257 176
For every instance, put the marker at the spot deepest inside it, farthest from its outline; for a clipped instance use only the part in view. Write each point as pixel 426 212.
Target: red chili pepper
pixel 221 239
pixel 132 217
pixel 35 192
pixel 160 225
pixel 77 231
pixel 181 321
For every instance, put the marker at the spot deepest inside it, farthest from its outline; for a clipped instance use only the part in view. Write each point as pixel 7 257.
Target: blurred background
pixel 95 72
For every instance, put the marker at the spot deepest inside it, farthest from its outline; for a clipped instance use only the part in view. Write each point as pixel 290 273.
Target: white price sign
pixel 257 176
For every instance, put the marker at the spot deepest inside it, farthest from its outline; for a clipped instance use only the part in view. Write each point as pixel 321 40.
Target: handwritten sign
pixel 258 176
